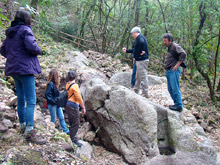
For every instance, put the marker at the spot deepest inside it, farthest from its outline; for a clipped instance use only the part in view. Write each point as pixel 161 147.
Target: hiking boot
pixel 171 106
pixel 77 143
pixel 146 96
pixel 34 138
pixel 22 128
pixel 174 108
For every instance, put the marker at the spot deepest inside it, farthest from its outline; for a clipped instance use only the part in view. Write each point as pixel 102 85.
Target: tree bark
pixel 198 67
pixel 137 12
pixel 34 4
pixel 10 9
pixel 164 20
pixel 218 88
pixel 216 61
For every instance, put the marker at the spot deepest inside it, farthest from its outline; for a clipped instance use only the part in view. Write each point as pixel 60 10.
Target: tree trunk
pixel 137 12
pixel 216 61
pixel 86 17
pixel 205 75
pixel 218 88
pixel 164 20
pixel 146 17
pixel 10 9
pixel 34 4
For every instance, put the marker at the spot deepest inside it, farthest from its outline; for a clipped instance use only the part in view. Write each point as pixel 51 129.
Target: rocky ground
pixel 53 152
pixel 15 149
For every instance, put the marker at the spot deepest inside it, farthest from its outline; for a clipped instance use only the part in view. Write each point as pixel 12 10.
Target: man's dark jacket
pixel 140 44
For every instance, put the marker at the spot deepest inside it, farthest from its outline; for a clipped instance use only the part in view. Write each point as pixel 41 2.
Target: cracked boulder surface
pixel 115 111
pixel 133 126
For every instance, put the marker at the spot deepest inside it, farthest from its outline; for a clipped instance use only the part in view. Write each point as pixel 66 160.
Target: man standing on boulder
pixel 174 59
pixel 141 56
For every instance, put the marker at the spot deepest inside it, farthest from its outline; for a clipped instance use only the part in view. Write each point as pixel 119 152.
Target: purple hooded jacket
pixel 21 50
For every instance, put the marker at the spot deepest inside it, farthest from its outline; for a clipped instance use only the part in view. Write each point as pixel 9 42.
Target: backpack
pixel 63 97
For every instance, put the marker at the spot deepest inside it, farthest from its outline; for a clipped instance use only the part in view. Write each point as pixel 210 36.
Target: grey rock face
pixel 116 111
pixel 124 79
pixel 145 132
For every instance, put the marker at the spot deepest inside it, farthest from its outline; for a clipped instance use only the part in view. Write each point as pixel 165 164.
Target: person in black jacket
pixel 51 94
pixel 141 56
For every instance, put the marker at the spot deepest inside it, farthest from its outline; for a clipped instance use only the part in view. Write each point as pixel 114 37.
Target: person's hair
pixel 169 36
pixel 23 16
pixel 54 77
pixel 136 29
pixel 71 75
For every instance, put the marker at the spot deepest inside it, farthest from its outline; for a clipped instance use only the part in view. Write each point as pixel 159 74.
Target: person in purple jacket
pixel 21 50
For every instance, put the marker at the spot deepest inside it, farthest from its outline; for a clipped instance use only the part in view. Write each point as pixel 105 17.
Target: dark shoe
pixel 174 108
pixel 171 106
pixel 77 143
pixel 22 128
pixel 34 138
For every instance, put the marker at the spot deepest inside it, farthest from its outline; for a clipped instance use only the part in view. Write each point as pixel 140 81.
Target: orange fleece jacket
pixel 76 98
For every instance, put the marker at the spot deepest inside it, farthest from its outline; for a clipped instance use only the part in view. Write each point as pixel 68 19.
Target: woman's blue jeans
pixel 57 111
pixel 173 86
pixel 25 90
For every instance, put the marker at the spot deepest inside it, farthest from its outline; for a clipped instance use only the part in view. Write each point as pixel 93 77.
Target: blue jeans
pixel 133 79
pixel 25 90
pixel 173 86
pixel 57 111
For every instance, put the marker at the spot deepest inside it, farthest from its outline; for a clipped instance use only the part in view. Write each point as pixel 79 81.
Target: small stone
pixel 67 147
pixel 3 107
pixel 195 113
pixel 7 123
pixel 185 102
pixel 90 136
pixel 109 74
pixel 12 101
pixel 209 129
pixel 10 115
pixel 204 125
pixel 3 128
pixel 85 151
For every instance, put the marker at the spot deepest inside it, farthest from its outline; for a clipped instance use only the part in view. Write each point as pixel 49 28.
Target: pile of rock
pixel 105 63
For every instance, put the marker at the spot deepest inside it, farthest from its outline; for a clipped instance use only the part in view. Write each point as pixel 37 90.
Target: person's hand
pixel 83 111
pixel 143 52
pixel 124 50
pixel 175 67
pixel 133 60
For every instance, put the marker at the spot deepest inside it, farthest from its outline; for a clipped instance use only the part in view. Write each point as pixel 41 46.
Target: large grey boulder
pixel 127 124
pixel 77 60
pixel 182 133
pixel 89 74
pixel 124 79
pixel 138 129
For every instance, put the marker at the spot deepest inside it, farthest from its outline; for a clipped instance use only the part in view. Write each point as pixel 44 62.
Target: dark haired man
pixel 175 56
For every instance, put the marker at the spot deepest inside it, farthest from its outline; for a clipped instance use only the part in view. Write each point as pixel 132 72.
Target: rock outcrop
pixel 124 79
pixel 144 132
